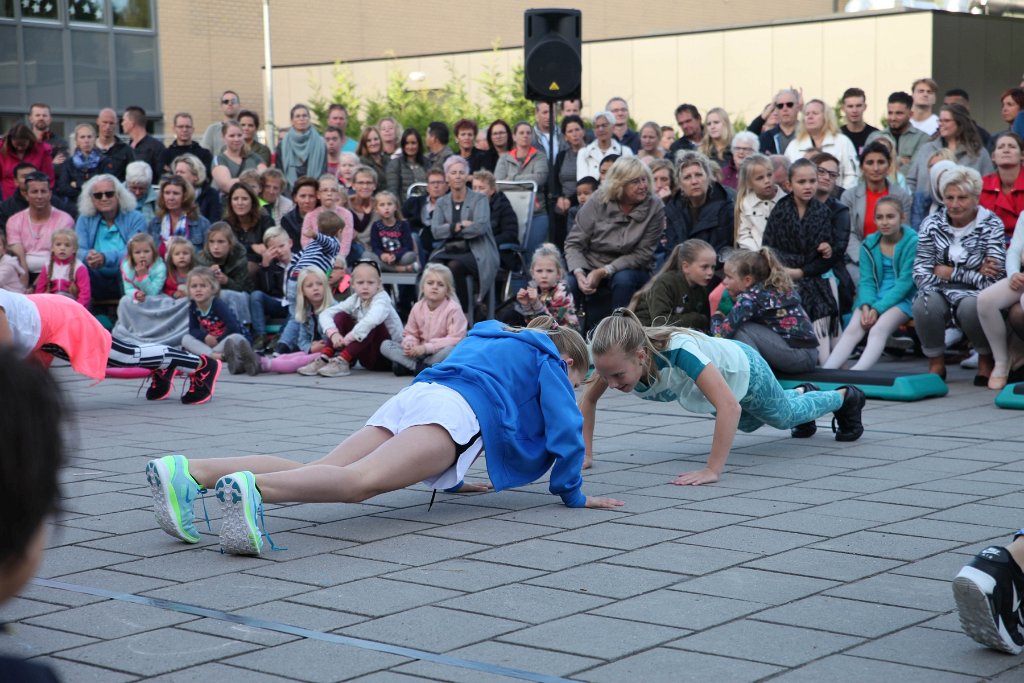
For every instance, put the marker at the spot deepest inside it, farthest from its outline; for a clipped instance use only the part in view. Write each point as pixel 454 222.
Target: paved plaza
pixel 810 561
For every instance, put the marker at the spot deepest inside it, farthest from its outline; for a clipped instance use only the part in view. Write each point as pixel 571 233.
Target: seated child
pixel 585 188
pixel 13 277
pixel 65 274
pixel 886 288
pixel 268 299
pixel 767 315
pixel 391 237
pixel 545 294
pixel 436 324
pixel 226 258
pixel 357 326
pixel 212 324
pixel 181 259
pixel 142 271
pixel 677 295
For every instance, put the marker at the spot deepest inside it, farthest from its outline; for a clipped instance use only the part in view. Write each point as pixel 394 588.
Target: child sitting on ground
pixel 391 237
pixel 678 294
pixel 211 322
pixel 268 296
pixel 180 260
pixel 64 273
pixel 436 324
pixel 545 294
pixel 143 273
pixel 358 326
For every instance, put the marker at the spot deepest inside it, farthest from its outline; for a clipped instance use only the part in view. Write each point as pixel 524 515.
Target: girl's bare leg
pixel 413 455
pixel 357 446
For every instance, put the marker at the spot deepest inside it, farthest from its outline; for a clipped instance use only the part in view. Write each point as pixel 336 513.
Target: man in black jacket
pixel 108 144
pixel 147 148
pixel 183 143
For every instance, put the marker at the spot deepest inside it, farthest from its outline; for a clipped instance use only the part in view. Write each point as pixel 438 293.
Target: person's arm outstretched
pixel 727 418
pixel 588 407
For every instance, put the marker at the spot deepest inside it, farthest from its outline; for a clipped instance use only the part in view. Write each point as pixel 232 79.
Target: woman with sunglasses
pixel 107 219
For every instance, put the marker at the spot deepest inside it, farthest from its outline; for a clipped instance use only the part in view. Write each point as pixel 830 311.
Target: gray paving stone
pixel 363 529
pixel 240 632
pixel 317 661
pixel 413 550
pixel 301 615
pixel 872 511
pixel 375 597
pixel 920 498
pixel 320 570
pixel 745 505
pixel 750 539
pixel 682 610
pixel 19 609
pixel 72 559
pixel 889 546
pixel 899 590
pixel 798 494
pixel 684 519
pixel 614 535
pixel 69 535
pixel 852 617
pixel 809 522
pixel 422 670
pixel 846 669
pixel 110 619
pixel 665 665
pixel 514 656
pixel 682 559
pixel 489 531
pixel 217 672
pixel 417 628
pixel 941 567
pixel 229 591
pixel 466 575
pixel 562 517
pixel 83 673
pixel 524 602
pixel 594 636
pixel 442 514
pixel 191 565
pixel 25 641
pixel 934 649
pixel 756 586
pixel 932 528
pixel 768 643
pixel 546 555
pixel 157 652
pixel 824 564
pixel 609 580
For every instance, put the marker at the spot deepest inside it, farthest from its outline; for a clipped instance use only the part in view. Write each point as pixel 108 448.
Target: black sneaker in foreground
pixel 846 423
pixel 161 384
pixel 202 381
pixel 987 594
pixel 807 429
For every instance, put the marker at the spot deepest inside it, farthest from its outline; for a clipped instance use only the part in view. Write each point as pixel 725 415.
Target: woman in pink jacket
pixel 436 324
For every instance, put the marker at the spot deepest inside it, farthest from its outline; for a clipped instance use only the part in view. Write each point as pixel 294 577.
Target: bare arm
pixel 588 407
pixel 6 338
pixel 727 418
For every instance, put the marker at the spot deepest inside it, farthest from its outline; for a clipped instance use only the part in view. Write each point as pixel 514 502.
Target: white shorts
pixel 426 403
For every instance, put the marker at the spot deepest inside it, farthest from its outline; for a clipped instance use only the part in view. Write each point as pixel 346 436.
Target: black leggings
pixel 151 357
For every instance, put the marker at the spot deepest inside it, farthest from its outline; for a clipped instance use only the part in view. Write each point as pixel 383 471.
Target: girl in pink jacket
pixel 436 324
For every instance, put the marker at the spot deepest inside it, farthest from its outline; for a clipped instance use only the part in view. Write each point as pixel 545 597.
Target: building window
pixel 44 66
pixel 132 13
pixel 45 10
pixel 86 11
pixel 10 78
pixel 135 60
pixel 90 64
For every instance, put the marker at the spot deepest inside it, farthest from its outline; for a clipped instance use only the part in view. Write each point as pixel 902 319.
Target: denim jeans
pixel 263 306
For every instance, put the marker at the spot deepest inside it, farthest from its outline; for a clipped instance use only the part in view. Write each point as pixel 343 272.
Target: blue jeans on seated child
pixel 263 306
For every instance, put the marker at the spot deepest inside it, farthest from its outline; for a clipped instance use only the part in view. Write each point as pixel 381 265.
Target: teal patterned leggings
pixel 767 403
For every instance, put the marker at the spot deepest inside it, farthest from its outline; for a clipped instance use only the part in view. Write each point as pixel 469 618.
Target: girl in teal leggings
pixel 707 375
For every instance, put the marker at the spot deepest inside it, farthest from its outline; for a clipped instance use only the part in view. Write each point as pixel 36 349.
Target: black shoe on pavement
pixel 202 381
pixel 847 424
pixel 161 384
pixel 807 429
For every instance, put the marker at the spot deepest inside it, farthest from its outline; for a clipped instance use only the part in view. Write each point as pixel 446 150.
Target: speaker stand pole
pixel 552 180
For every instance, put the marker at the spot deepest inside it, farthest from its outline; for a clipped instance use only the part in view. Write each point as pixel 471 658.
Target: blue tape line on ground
pixel 302 632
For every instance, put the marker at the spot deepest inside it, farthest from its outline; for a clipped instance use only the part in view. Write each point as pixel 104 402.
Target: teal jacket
pixel 871 271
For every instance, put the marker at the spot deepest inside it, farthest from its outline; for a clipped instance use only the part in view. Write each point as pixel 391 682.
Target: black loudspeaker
pixel 552 54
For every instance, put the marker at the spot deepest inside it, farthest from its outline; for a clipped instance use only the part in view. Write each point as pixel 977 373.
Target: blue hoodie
pixel 518 386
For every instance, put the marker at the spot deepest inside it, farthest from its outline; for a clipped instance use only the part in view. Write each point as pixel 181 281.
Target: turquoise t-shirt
pixel 108 238
pixel 688 353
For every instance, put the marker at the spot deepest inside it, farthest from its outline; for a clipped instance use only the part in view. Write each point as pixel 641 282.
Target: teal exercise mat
pixel 1012 397
pixel 888 386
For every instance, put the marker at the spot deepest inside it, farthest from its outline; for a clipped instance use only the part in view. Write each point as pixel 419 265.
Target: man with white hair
pixel 620 127
pixel 788 103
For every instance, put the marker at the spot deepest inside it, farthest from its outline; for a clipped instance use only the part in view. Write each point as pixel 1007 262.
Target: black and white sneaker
pixel 847 424
pixel 988 596
pixel 807 429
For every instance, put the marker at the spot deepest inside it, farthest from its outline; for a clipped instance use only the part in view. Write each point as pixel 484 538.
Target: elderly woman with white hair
pixel 191 168
pixel 588 160
pixel 743 145
pixel 960 252
pixel 107 219
pixel 138 179
pixel 819 132
pixel 610 251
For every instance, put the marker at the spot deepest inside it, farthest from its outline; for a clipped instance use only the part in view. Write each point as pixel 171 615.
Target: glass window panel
pixel 132 13
pixel 44 66
pixel 135 57
pixel 86 11
pixel 7 11
pixel 90 63
pixel 10 77
pixel 39 9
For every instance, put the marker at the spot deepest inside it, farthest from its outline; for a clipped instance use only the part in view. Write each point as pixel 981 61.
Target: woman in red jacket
pixel 1002 192
pixel 20 146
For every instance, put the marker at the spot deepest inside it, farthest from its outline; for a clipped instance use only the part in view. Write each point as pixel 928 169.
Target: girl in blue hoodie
pixel 521 411
pixel 886 289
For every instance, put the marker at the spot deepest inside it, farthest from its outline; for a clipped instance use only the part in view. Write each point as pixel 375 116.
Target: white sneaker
pixel 953 336
pixel 311 368
pixel 971 362
pixel 336 367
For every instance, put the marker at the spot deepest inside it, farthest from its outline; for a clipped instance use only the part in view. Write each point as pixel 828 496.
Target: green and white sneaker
pixel 241 531
pixel 174 495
